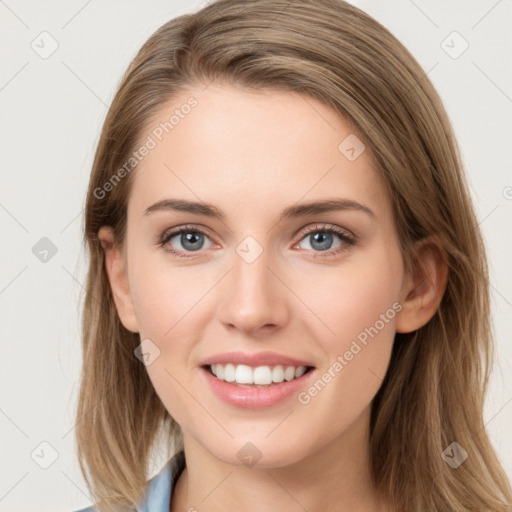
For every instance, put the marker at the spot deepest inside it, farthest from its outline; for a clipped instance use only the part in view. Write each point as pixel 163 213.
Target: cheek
pixel 168 311
pixel 164 296
pixel 353 299
pixel 359 307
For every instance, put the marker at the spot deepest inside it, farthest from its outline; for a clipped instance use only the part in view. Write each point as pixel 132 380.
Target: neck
pixel 334 477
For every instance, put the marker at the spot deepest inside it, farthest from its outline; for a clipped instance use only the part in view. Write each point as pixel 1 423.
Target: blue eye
pixel 190 238
pixel 320 238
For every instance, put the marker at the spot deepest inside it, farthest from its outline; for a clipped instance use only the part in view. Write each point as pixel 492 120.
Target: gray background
pixel 52 111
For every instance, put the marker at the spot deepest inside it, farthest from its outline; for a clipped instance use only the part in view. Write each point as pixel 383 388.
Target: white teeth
pixel 262 375
pixel 300 371
pixel 289 373
pixel 229 373
pixel 243 374
pixel 278 374
pixel 259 376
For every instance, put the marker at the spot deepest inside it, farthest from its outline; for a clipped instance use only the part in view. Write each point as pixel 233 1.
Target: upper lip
pixel 256 359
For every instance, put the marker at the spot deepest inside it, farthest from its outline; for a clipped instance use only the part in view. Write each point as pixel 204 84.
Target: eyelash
pixel 348 240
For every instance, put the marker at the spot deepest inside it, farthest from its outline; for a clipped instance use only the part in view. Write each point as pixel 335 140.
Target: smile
pixel 259 376
pixel 245 392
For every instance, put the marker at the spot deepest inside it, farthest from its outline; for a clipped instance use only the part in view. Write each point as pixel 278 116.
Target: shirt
pixel 159 489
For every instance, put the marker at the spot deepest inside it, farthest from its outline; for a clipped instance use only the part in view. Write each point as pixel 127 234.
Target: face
pixel 317 288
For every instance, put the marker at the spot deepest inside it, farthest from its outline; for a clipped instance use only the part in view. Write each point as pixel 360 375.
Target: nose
pixel 254 297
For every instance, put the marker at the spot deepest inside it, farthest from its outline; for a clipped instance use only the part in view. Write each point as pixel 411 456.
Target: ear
pixel 115 264
pixel 424 286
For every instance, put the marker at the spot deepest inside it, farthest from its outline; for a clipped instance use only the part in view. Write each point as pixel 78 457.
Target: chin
pixel 262 453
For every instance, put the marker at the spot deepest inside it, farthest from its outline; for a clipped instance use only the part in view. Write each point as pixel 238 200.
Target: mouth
pixel 265 376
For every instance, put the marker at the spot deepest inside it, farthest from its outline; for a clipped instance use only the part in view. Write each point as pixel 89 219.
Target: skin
pixel 252 154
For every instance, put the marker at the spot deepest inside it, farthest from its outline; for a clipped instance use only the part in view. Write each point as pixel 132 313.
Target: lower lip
pixel 253 397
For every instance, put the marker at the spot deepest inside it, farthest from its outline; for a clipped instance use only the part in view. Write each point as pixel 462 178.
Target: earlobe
pixel 117 273
pixel 424 287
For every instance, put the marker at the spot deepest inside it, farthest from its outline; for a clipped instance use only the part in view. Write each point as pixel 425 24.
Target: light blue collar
pixel 160 487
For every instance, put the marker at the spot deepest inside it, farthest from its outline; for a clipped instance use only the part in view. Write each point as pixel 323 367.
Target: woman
pixel 287 285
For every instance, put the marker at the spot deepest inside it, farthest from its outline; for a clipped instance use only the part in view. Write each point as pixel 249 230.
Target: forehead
pixel 248 151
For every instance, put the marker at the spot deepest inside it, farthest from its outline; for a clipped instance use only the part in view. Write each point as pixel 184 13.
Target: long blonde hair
pixel 433 393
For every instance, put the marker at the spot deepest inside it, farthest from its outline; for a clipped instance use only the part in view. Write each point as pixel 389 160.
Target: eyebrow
pixel 291 212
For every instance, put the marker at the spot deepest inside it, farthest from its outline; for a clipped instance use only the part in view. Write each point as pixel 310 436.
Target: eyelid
pixel 169 233
pixel 305 231
pixel 347 236
pixel 322 226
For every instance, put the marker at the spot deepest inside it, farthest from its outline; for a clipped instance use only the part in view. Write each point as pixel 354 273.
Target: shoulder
pixel 159 488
